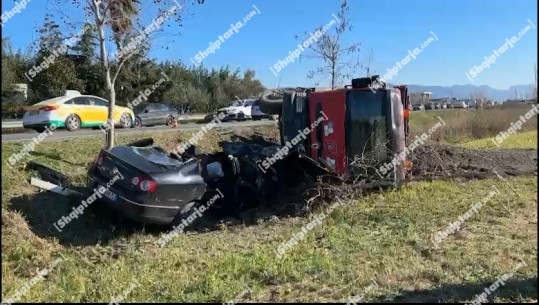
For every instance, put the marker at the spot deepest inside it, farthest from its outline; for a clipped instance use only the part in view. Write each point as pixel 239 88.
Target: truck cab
pixel 349 131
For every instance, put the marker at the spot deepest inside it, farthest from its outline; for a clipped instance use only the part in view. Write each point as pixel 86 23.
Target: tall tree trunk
pixel 110 131
pixel 333 76
pixel 108 80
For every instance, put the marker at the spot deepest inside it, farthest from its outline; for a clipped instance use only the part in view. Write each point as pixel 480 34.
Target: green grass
pixel 523 140
pixel 383 237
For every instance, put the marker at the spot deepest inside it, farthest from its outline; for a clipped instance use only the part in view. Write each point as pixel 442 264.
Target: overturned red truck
pixel 364 126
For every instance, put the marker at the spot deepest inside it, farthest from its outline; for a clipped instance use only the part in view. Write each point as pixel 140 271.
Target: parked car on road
pixel 74 111
pixel 460 104
pixel 419 107
pixel 430 106
pixel 242 109
pixel 156 114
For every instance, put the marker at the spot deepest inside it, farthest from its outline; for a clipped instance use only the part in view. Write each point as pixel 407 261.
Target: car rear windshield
pixel 156 156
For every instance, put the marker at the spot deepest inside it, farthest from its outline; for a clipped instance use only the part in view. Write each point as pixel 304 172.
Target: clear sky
pixel 467 31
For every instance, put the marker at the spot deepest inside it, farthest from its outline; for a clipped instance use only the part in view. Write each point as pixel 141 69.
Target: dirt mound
pixel 435 161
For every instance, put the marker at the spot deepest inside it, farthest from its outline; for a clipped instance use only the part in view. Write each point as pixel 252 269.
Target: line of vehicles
pixel 74 111
pixel 437 105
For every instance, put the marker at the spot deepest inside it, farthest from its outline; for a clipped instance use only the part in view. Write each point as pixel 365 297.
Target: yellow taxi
pixel 74 111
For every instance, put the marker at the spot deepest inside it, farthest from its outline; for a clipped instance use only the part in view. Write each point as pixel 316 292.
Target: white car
pixel 460 104
pixel 419 107
pixel 243 109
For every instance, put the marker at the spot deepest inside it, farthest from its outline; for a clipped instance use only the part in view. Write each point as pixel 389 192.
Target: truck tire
pixel 272 103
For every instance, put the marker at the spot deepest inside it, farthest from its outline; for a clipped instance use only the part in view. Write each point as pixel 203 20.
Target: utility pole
pixel 535 89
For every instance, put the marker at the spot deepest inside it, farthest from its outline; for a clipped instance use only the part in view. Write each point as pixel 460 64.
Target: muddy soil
pixel 430 162
pixel 450 161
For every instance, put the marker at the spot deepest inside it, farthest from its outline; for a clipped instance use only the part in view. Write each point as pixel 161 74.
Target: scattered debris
pixel 53 187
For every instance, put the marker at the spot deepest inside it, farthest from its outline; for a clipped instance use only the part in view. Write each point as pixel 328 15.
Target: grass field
pixel 383 238
pixel 464 125
pixel 524 140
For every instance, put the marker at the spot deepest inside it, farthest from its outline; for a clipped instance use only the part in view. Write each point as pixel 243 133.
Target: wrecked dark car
pixel 156 187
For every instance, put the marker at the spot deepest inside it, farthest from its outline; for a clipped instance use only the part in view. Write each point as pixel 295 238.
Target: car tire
pixel 39 129
pixel 169 121
pixel 138 122
pixel 125 120
pixel 72 122
pixel 240 117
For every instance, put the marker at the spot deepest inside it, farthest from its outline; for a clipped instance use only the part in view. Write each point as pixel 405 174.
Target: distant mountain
pixel 465 91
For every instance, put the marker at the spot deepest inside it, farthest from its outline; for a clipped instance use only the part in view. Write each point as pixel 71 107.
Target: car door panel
pixel 145 116
pixel 82 110
pixel 161 114
pixel 100 110
pixel 157 115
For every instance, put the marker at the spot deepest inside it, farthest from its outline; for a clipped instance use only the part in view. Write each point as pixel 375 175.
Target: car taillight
pixel 48 108
pixel 147 185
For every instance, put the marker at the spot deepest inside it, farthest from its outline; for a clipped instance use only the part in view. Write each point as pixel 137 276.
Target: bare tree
pixel 366 65
pixel 479 98
pixel 118 22
pixel 337 61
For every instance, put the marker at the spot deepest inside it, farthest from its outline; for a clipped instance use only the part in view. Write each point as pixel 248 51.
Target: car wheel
pixel 170 121
pixel 72 122
pixel 125 120
pixel 138 122
pixel 240 117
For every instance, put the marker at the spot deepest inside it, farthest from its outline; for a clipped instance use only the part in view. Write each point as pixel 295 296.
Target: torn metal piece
pixel 53 187
pixel 48 174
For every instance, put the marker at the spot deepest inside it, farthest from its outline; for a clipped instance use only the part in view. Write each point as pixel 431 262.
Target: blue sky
pixel 467 31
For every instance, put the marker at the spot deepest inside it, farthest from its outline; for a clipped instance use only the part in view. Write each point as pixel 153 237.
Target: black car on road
pixel 156 114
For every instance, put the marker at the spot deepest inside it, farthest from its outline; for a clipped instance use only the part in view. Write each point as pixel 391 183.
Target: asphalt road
pixel 64 134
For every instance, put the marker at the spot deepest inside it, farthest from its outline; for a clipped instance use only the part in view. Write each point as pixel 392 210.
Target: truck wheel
pixel 271 103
